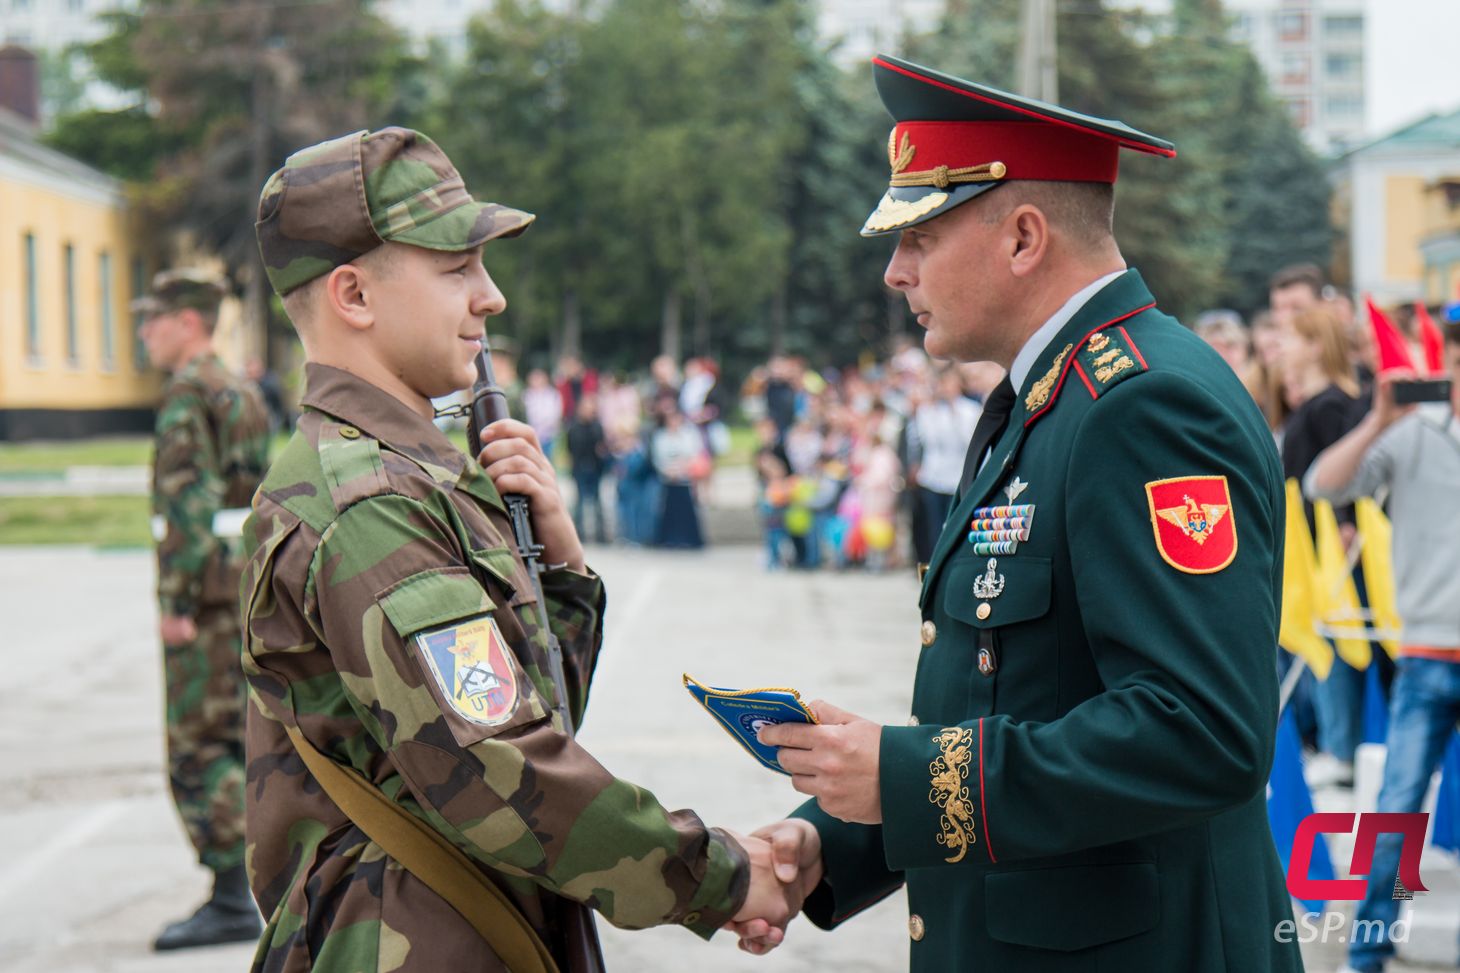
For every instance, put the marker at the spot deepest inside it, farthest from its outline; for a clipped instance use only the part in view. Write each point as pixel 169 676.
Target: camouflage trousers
pixel 206 695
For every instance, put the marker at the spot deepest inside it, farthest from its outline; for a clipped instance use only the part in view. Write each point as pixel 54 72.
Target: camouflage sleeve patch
pixel 1107 358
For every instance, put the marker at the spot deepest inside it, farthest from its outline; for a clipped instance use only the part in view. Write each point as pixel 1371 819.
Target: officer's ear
pixel 1027 239
pixel 345 294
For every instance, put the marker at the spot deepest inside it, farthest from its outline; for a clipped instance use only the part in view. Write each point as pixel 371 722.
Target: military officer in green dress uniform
pixel 1080 784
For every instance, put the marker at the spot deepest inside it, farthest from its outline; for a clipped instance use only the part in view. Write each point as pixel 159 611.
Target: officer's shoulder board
pixel 1100 360
pixel 1105 358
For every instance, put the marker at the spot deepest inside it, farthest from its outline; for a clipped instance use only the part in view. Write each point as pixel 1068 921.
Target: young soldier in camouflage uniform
pixel 211 451
pixel 391 623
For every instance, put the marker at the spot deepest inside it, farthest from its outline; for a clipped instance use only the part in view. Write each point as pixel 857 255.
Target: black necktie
pixel 990 424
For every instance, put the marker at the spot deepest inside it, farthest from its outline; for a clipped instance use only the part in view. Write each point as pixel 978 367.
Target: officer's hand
pixel 836 761
pixel 796 854
pixel 177 629
pixel 769 905
pixel 513 458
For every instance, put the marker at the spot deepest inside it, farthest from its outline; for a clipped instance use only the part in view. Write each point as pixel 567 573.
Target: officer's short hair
pixel 1085 210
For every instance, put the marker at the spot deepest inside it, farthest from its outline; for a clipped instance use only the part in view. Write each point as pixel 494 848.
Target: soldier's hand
pixel 512 456
pixel 836 761
pixel 177 629
pixel 796 857
pixel 769 905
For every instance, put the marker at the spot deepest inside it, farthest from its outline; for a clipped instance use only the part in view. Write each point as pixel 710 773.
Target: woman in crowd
pixel 1321 390
pixel 1264 378
pixel 544 407
pixel 679 454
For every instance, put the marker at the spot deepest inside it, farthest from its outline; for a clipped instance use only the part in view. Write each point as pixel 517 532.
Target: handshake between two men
pixel 834 761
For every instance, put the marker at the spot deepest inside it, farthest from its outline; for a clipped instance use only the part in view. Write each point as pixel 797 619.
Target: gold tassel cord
pixel 942 177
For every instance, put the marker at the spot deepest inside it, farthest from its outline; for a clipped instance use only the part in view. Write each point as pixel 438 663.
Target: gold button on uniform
pixel 690 919
pixel 930 633
pixel 349 432
pixel 984 610
pixel 915 928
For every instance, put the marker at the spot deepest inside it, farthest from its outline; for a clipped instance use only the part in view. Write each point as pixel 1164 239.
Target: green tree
pixel 1279 197
pixel 229 88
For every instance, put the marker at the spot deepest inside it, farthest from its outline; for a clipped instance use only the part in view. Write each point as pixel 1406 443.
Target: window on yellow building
pixel 32 302
pixel 73 350
pixel 104 294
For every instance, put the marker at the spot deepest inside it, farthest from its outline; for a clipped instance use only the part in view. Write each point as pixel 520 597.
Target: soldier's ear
pixel 345 295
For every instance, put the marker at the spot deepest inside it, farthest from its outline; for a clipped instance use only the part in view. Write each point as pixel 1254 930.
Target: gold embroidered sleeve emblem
pixel 949 771
pixel 1039 391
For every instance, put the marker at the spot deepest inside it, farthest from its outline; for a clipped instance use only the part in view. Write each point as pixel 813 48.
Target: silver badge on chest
pixel 990 584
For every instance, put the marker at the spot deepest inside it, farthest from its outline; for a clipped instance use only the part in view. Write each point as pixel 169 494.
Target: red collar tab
pixel 940 154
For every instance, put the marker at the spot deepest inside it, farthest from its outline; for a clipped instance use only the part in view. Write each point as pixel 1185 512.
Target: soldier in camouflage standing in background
pixel 210 453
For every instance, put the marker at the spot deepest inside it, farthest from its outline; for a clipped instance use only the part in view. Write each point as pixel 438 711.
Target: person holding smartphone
pixel 1413 453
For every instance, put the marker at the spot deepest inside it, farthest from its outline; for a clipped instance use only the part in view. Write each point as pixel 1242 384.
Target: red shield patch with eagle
pixel 1192 518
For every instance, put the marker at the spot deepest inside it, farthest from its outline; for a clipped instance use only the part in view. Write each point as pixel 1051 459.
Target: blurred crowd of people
pixel 858 466
pixel 1328 377
pixel 656 440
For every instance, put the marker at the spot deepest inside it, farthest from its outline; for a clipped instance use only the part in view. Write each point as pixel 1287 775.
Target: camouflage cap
pixel 337 200
pixel 174 290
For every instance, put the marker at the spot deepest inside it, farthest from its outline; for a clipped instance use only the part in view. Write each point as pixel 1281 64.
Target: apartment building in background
pixel 50 25
pixel 1312 52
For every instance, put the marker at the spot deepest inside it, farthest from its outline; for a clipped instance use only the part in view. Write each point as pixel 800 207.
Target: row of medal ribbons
pixel 998 530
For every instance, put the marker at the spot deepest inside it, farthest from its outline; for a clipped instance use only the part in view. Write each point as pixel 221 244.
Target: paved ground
pixel 92 861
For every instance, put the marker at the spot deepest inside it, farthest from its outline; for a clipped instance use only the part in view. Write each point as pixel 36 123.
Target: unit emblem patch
pixel 472 668
pixel 1192 519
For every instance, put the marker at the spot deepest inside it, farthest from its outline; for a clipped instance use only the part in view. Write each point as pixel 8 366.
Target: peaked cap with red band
pixel 955 140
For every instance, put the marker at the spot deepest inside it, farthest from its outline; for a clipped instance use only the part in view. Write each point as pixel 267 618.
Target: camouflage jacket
pixel 211 450
pixel 372 540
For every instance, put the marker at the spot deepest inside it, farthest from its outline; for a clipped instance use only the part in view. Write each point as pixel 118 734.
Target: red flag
pixel 1434 342
pixel 1390 344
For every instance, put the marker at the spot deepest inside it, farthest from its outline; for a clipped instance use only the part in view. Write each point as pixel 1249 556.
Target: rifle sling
pixel 433 859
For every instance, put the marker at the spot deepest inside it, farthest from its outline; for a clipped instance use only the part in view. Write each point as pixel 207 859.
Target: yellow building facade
pixel 1399 225
pixel 70 361
pixel 1440 245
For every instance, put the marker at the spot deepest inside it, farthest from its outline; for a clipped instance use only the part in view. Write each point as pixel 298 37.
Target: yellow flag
pixel 1296 631
pixel 1338 602
pixel 1377 557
